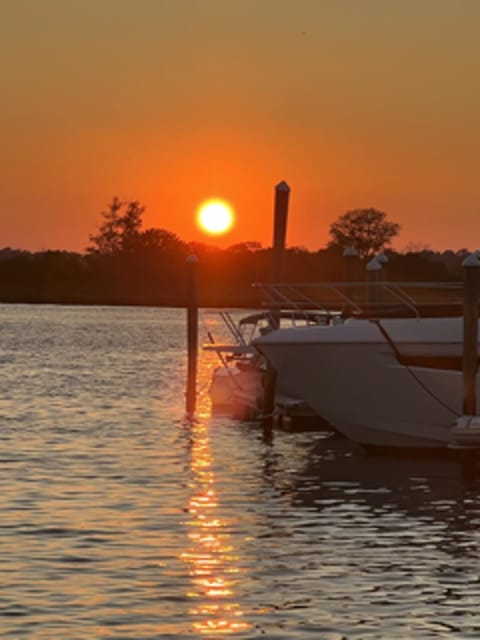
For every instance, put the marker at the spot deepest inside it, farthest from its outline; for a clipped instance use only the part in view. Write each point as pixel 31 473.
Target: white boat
pixel 238 386
pixel 382 383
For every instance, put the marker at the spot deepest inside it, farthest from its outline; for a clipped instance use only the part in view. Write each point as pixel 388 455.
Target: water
pixel 118 519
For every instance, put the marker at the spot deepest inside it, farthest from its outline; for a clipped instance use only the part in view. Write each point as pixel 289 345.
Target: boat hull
pixel 352 375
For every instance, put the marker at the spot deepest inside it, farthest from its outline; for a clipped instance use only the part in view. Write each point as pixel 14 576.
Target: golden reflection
pixel 210 556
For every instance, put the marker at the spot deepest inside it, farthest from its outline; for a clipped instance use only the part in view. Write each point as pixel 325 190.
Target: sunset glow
pixel 215 216
pixel 210 102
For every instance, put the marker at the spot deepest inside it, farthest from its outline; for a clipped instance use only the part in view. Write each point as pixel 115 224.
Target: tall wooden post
pixel 282 194
pixel 192 334
pixel 280 215
pixel 471 275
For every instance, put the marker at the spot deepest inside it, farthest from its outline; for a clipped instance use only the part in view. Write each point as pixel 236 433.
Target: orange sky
pixel 355 103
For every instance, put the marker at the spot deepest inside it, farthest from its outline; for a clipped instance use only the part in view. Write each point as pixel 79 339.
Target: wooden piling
pixel 374 277
pixel 282 194
pixel 471 275
pixel 280 215
pixel 351 274
pixel 351 261
pixel 192 334
pixel 382 258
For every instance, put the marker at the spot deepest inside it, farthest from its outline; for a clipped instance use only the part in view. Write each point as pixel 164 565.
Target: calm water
pixel 120 520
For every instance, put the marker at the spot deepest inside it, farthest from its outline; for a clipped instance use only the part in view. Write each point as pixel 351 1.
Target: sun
pixel 215 216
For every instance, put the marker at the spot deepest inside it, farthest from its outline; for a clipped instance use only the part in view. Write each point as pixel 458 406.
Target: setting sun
pixel 215 216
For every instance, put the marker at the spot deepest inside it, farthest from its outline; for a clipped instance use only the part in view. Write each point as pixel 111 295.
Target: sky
pixel 355 103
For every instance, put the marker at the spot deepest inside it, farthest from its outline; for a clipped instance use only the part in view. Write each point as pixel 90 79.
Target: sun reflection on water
pixel 210 556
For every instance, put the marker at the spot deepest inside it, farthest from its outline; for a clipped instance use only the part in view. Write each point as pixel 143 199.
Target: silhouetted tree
pixel 121 233
pixel 120 230
pixel 367 230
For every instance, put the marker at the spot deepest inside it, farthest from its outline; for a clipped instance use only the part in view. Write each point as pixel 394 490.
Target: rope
pixel 397 354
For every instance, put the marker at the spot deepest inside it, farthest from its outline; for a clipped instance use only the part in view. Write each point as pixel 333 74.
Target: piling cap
pixel 374 265
pixel 282 186
pixel 473 260
pixel 382 258
pixel 350 252
pixel 192 259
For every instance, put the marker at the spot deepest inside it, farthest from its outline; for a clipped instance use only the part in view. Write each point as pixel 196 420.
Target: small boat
pixel 237 389
pixel 239 385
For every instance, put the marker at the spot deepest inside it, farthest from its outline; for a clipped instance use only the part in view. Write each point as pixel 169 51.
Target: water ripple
pixel 119 519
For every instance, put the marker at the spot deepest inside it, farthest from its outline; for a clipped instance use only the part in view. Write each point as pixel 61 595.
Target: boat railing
pixel 233 336
pixel 233 328
pixel 366 299
pixel 293 304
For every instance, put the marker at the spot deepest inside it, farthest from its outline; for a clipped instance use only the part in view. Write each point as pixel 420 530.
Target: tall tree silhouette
pixel 367 230
pixel 120 229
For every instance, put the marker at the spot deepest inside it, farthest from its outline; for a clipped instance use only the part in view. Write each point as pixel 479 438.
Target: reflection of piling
pixel 269 417
pixel 471 274
pixel 269 387
pixel 374 277
pixel 282 194
pixel 192 334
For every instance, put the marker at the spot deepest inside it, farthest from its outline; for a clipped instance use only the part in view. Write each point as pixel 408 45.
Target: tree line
pixel 127 264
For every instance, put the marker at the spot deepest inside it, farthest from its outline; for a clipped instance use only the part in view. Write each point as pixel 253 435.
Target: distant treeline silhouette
pixel 157 275
pixel 125 264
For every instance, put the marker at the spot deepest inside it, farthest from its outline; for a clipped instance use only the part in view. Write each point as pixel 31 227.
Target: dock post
pixel 471 276
pixel 351 268
pixel 282 194
pixel 192 335
pixel 280 215
pixel 350 261
pixel 374 277
pixel 383 259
